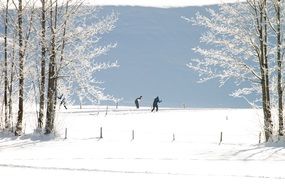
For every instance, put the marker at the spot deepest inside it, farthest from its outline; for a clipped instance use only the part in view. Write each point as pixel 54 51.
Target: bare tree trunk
pixel 50 116
pixel 261 23
pixel 19 125
pixel 279 69
pixel 7 122
pixel 269 126
pixel 11 83
pixel 43 65
pixel 56 65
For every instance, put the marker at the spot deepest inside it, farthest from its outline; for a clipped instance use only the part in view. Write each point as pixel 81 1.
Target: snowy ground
pixel 171 149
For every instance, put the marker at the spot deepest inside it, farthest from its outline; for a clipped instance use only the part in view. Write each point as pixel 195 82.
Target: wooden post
pixel 259 138
pixel 133 135
pixel 106 111
pixel 65 136
pixel 173 137
pixel 221 138
pixel 101 133
pixel 117 105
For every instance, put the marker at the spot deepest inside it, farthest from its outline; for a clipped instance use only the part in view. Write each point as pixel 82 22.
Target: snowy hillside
pixel 154 46
pixel 170 149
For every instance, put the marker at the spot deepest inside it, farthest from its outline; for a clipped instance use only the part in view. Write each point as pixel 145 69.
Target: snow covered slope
pixel 170 149
pixel 154 46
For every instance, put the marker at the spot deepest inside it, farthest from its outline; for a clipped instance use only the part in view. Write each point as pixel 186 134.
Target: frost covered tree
pixel 19 124
pixel 52 48
pixel 79 68
pixel 277 23
pixel 10 24
pixel 8 55
pixel 75 32
pixel 239 46
pixel 25 17
pixel 42 81
pixel 18 24
pixel 51 88
pixel 6 105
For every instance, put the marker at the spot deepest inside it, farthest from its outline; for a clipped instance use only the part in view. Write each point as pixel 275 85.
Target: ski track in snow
pixel 135 172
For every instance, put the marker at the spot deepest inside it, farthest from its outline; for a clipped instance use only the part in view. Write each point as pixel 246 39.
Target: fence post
pixel 173 137
pixel 133 135
pixel 106 111
pixel 221 138
pixel 65 136
pixel 101 133
pixel 259 138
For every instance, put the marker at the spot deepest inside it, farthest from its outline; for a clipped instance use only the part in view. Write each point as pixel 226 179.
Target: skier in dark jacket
pixel 155 103
pixel 137 102
pixel 62 101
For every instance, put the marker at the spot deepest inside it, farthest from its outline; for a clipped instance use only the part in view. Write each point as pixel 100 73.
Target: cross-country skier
pixel 137 102
pixel 62 101
pixel 155 103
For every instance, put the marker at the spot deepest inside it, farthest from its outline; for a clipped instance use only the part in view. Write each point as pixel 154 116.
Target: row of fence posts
pixel 173 136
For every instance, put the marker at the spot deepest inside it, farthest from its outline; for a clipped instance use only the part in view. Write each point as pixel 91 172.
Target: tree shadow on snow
pixel 9 140
pixel 261 152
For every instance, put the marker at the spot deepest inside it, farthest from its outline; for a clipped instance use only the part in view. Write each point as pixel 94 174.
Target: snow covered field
pixel 170 149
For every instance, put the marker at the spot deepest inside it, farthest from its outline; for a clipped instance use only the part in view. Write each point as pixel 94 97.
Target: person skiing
pixel 62 101
pixel 137 102
pixel 155 104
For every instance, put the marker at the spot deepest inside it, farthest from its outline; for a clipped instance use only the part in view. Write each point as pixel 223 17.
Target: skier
pixel 155 104
pixel 137 102
pixel 62 101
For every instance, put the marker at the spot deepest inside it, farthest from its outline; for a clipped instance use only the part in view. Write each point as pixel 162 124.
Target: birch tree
pixel 277 23
pixel 24 16
pixel 8 55
pixel 237 49
pixel 51 54
pixel 50 115
pixel 6 106
pixel 75 33
pixel 19 126
pixel 43 64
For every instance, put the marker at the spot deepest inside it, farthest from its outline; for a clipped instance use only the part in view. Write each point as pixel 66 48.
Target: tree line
pixel 49 48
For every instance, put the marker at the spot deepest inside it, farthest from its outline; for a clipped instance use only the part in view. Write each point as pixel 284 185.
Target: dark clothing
pixel 154 107
pixel 137 102
pixel 155 104
pixel 62 101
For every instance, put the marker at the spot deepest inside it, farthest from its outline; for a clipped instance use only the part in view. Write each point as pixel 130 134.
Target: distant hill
pixel 154 46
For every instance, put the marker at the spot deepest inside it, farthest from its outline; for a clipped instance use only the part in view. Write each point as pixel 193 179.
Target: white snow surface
pixel 172 149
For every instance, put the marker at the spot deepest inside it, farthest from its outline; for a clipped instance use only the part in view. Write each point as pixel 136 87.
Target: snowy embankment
pixel 170 149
